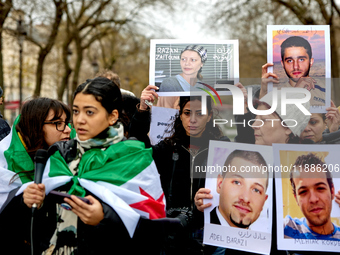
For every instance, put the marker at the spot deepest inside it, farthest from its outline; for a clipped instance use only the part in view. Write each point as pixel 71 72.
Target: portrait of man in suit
pixel 242 190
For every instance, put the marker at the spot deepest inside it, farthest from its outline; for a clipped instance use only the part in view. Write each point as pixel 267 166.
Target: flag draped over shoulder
pixel 123 176
pixel 13 159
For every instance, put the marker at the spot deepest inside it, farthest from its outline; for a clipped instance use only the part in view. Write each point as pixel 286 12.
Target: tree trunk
pixel 39 73
pixel 4 10
pixel 335 66
pixel 67 72
pixel 59 5
pixel 77 66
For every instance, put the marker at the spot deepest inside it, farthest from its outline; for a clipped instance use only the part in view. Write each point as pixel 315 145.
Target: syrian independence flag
pixel 13 159
pixel 124 176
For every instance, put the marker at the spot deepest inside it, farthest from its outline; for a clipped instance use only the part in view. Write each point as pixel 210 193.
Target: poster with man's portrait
pixel 302 59
pixel 183 68
pixel 240 182
pixel 307 181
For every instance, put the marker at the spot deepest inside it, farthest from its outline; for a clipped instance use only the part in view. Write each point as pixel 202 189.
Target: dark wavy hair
pixel 33 116
pixel 177 129
pixel 307 161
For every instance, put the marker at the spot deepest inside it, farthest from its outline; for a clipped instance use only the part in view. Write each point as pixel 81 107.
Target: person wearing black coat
pixel 180 159
pixel 266 136
pixel 74 226
pixel 5 129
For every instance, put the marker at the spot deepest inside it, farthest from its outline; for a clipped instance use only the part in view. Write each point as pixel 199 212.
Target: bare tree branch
pixel 323 11
pixel 59 10
pixel 335 6
pixel 299 11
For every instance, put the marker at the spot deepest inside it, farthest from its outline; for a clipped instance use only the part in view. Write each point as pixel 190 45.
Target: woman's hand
pixel 245 94
pixel 332 118
pixel 201 194
pixel 266 78
pixel 337 197
pixel 34 194
pixel 90 214
pixel 148 94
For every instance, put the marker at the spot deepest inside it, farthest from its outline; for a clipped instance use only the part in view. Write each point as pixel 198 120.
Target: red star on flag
pixel 155 208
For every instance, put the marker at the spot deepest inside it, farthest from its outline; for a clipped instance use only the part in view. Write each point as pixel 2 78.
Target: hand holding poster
pixel 161 119
pixel 301 58
pixel 308 217
pixel 240 216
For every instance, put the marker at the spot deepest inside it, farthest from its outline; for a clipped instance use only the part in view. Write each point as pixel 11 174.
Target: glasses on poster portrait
pixel 60 125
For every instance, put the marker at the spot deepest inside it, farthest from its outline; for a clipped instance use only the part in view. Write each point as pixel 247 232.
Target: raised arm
pixel 266 78
pixel 332 118
pixel 140 123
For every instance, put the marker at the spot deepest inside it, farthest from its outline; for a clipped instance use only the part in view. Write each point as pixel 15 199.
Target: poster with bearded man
pixel 238 205
pixel 299 56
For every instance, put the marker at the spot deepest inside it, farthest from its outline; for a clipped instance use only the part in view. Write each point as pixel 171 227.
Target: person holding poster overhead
pixel 176 158
pixel 267 133
pixel 324 128
pixel 192 59
pixel 313 192
pixel 272 128
pixel 318 122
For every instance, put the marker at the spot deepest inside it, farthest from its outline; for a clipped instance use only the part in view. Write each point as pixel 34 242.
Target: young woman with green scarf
pixel 41 123
pixel 115 175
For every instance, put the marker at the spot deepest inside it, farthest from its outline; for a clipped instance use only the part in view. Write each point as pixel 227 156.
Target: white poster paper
pixel 161 119
pixel 301 58
pixel 204 68
pixel 240 216
pixel 309 218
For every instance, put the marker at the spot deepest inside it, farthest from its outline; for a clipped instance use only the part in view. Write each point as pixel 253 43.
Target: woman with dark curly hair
pixel 176 158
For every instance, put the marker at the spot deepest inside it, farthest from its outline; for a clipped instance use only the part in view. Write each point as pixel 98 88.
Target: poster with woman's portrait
pixel 240 216
pixel 307 181
pixel 183 68
pixel 302 59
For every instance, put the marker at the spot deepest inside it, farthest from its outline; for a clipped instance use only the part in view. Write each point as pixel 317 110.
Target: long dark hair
pixel 33 116
pixel 177 129
pixel 106 92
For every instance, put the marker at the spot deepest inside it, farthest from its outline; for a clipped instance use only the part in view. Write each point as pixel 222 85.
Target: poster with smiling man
pixel 239 180
pixel 307 197
pixel 301 58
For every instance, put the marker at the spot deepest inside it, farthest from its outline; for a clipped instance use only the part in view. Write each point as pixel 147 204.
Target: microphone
pixel 40 159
